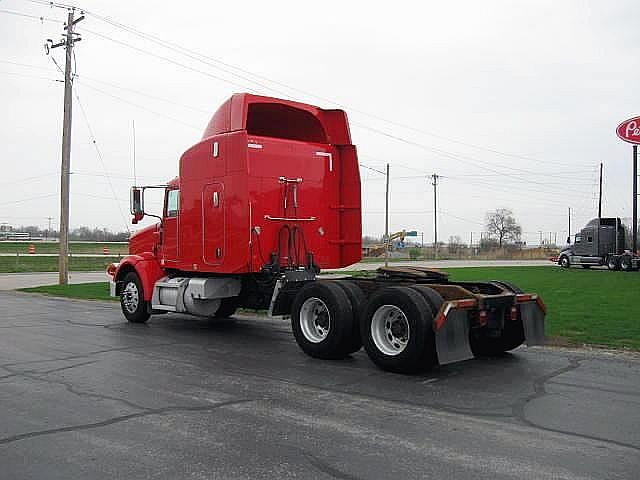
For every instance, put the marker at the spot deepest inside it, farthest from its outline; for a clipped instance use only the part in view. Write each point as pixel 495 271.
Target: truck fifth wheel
pixel 268 198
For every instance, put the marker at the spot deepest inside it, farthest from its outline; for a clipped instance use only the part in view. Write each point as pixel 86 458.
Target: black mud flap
pixel 533 322
pixel 452 339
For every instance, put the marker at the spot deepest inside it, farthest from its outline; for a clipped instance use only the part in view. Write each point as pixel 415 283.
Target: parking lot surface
pixel 83 394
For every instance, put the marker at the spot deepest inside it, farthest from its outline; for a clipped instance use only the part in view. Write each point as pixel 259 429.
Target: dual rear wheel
pixel 333 319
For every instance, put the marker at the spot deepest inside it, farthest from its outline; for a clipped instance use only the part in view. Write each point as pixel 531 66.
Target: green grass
pixel 25 263
pixel 85 291
pixel 584 306
pixel 74 247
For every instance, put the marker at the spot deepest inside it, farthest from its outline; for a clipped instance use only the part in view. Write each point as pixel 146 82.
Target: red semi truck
pixel 268 198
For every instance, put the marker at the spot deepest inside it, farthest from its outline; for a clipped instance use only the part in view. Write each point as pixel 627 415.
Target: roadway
pixel 83 394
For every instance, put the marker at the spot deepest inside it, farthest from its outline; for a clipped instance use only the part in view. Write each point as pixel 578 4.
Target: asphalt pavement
pixel 11 281
pixel 83 394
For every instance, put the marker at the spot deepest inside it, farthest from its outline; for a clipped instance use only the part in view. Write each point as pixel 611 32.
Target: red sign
pixel 629 130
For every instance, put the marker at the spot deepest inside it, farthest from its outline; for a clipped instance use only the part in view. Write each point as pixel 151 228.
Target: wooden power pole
pixel 434 182
pixel 63 259
pixel 386 221
pixel 600 196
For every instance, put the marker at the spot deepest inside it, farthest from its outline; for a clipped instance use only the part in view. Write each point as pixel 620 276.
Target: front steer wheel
pixel 227 308
pixel 134 307
pixel 322 320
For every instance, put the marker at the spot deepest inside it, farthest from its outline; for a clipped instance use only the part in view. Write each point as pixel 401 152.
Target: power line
pixel 141 107
pixel 99 154
pixel 200 57
pixel 85 78
pixel 27 179
pixel 29 199
pixel 170 60
pixel 26 75
pixel 25 15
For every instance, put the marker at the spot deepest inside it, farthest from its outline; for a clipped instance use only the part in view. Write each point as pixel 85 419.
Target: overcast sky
pixel 513 103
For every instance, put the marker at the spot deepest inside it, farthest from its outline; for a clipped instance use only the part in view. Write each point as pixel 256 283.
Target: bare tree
pixel 455 244
pixel 502 225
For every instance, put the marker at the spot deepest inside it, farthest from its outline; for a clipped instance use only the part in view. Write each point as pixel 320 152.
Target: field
pixel 85 291
pixel 596 307
pixel 119 248
pixel 584 306
pixel 26 263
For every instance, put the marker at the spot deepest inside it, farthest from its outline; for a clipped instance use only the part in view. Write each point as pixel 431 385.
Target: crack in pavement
pixel 27 373
pixel 89 354
pixel 38 376
pixel 330 470
pixel 539 391
pixel 122 418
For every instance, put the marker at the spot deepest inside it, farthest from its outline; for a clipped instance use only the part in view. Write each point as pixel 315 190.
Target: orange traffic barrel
pixel 32 248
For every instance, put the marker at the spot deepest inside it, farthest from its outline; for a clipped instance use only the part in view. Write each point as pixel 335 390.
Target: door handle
pixel 216 200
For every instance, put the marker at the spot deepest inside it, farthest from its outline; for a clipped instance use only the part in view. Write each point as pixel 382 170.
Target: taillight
pixel 483 317
pixel 514 313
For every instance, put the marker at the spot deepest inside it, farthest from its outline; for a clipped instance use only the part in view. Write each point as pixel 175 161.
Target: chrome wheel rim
pixel 390 330
pixel 130 297
pixel 315 320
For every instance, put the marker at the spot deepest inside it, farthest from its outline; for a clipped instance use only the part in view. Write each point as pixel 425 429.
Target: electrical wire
pixel 99 155
pixel 25 15
pixel 11 202
pixel 141 107
pixel 201 57
pixel 26 75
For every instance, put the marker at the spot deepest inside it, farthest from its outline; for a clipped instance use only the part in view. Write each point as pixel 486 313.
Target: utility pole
pixel 634 228
pixel 63 259
pixel 434 182
pixel 49 228
pixel 386 222
pixel 600 196
pixel 569 231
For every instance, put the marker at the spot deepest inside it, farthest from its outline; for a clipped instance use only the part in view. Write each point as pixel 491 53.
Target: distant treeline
pixel 80 233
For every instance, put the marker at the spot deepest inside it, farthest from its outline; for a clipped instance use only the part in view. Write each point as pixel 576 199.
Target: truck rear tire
pixel 509 286
pixel 322 320
pixel 134 307
pixel 396 327
pixel 625 263
pixel 612 263
pixel 512 336
pixel 357 300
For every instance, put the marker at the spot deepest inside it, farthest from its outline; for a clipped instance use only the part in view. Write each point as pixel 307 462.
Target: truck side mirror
pixel 569 239
pixel 136 204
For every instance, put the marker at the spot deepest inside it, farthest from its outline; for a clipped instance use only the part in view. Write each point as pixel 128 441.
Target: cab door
pixel 213 216
pixel 170 227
